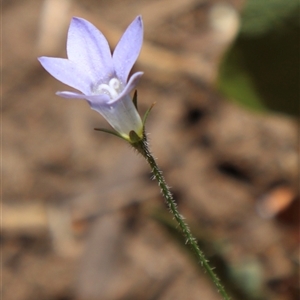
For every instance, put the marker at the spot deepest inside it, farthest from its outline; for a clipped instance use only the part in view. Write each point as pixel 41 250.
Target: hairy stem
pixel 142 147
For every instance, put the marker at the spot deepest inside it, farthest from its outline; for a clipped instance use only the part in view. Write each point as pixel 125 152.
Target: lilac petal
pixel 88 48
pixel 93 100
pixel 121 115
pixel 67 72
pixel 70 95
pixel 128 49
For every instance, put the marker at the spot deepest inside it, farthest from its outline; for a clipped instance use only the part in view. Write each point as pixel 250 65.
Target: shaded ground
pixel 81 217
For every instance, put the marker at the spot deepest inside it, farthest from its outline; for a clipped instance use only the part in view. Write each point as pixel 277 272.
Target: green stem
pixel 142 147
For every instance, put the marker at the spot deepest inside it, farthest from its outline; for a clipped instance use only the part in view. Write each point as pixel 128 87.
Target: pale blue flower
pixel 101 78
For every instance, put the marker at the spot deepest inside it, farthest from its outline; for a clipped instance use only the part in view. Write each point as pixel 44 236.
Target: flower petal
pixel 67 72
pixel 121 115
pixel 70 95
pixel 88 48
pixel 93 100
pixel 128 49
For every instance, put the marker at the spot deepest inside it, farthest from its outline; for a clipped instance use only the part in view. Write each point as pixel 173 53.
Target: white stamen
pixel 114 83
pixel 112 89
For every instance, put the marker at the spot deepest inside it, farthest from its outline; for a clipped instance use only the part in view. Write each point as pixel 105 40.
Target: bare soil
pixel 82 219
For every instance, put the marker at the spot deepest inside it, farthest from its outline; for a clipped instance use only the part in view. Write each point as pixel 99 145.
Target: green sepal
pixel 147 113
pixel 110 132
pixel 134 138
pixel 134 99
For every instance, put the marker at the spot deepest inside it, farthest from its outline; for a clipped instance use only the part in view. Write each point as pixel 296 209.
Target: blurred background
pixel 81 217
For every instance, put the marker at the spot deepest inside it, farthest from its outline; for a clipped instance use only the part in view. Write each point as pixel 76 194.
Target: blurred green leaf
pixel 236 83
pixel 262 69
pixel 261 16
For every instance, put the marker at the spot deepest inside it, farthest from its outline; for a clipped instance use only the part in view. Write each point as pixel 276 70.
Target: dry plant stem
pixel 143 149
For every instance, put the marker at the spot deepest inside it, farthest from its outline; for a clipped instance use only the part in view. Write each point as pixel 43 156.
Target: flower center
pixel 112 89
